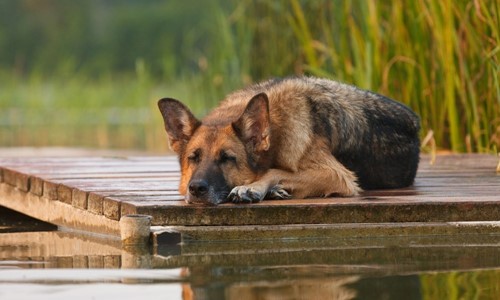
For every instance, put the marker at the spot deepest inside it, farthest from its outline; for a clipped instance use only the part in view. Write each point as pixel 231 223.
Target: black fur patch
pixel 321 116
pixel 387 154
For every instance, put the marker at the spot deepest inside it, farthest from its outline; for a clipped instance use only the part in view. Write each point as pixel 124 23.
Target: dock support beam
pixel 135 230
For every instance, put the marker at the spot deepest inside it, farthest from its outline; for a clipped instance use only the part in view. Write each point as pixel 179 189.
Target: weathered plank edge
pixel 56 212
pixel 17 179
pixel 170 234
pixel 231 215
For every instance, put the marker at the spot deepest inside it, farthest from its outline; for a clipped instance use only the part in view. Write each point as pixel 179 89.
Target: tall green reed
pixel 441 58
pixel 460 285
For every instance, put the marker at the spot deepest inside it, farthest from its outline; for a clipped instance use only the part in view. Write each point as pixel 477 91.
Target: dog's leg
pixel 320 182
pixel 267 187
pixel 319 175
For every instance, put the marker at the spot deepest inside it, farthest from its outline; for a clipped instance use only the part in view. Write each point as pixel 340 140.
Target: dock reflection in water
pixel 60 264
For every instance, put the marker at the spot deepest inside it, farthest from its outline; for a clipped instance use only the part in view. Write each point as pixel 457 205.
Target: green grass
pixel 104 113
pixel 442 58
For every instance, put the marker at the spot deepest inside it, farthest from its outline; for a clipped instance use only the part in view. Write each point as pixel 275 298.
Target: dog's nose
pixel 198 187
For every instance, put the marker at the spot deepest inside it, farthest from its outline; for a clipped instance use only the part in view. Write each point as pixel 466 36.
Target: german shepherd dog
pixel 294 137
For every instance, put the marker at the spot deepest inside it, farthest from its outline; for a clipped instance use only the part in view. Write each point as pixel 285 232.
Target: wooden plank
pixel 123 186
pixel 456 173
pixel 95 203
pixel 149 198
pixel 64 193
pixel 95 199
pixel 79 198
pixel 50 189
pixel 95 182
pixel 84 160
pixel 46 171
pixel 457 180
pixel 112 205
pixel 73 168
pixel 11 161
pixel 55 212
pixel 17 179
pixel 297 235
pixel 63 190
pixel 77 168
pixel 434 191
pixel 179 213
pixel 111 208
pixel 457 187
pixel 129 208
pixel 463 160
pixel 126 193
pixel 171 158
pixel 36 185
pixel 484 180
pixel 110 175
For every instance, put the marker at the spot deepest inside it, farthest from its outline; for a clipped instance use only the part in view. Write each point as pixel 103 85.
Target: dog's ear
pixel 254 126
pixel 180 123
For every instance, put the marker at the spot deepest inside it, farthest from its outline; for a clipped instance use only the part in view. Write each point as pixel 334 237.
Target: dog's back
pixel 371 135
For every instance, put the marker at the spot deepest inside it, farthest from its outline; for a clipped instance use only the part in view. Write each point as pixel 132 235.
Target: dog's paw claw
pixel 245 194
pixel 278 193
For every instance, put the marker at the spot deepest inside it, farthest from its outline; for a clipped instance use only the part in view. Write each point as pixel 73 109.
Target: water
pixel 68 265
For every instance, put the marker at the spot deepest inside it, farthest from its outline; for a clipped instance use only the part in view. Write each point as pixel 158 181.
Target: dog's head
pixel 217 156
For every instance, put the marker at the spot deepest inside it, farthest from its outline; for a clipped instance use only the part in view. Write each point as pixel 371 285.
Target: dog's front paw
pixel 245 194
pixel 277 192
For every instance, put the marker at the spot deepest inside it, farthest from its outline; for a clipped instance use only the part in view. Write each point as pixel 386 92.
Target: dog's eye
pixel 194 157
pixel 225 157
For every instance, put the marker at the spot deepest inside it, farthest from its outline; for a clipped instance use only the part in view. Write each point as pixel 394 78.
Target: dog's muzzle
pixel 200 192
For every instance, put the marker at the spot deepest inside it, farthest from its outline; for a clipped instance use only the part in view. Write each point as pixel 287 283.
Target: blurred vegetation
pixel 88 73
pixel 481 284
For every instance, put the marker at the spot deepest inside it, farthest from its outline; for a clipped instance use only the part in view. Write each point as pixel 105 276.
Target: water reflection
pixel 426 267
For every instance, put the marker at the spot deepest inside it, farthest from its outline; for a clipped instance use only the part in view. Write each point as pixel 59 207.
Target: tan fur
pixel 318 174
pixel 276 139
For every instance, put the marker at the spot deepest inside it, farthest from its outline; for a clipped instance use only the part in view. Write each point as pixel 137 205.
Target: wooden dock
pixel 92 193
